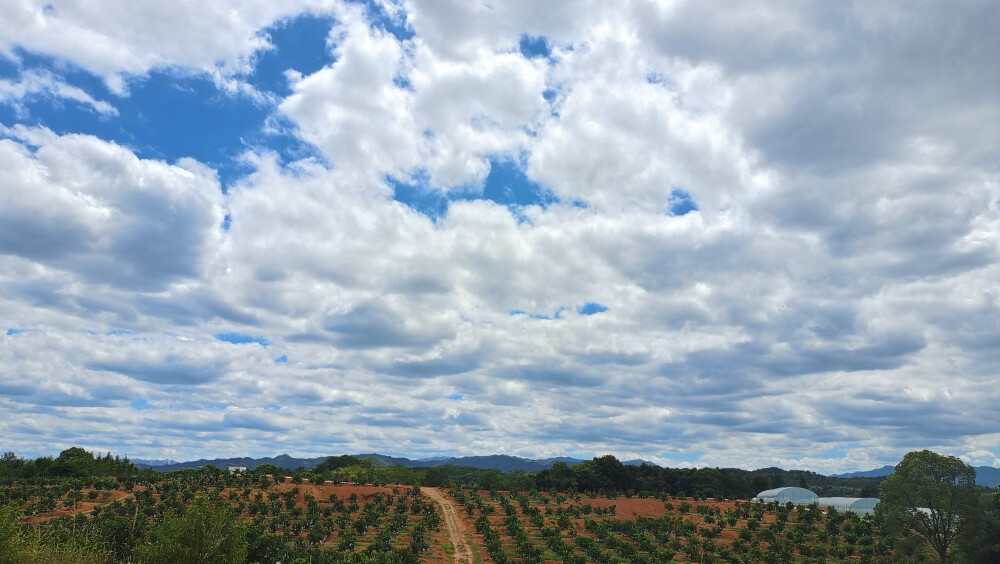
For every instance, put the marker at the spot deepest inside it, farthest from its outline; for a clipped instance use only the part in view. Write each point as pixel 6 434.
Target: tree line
pixel 608 474
pixel 73 462
pixel 602 474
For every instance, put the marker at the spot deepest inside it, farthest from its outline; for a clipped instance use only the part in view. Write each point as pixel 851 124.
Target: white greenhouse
pixel 798 496
pixel 859 505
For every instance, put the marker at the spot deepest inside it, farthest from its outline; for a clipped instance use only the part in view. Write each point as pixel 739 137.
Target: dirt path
pixel 463 553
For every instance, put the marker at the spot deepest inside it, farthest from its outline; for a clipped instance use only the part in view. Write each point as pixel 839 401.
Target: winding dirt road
pixel 463 553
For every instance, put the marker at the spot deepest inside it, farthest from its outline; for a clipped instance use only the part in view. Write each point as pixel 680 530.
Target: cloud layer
pixel 733 235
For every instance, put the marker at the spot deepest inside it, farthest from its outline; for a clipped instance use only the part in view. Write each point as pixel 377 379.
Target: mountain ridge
pixel 502 462
pixel 877 472
pixel 985 475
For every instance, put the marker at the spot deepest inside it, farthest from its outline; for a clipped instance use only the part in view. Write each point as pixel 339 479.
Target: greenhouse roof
pixel 855 504
pixel 786 493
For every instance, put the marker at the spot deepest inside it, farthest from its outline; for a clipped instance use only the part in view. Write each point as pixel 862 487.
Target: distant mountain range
pixel 985 475
pixel 500 462
pixel 281 461
pixel 144 462
pixel 883 471
pixel 638 462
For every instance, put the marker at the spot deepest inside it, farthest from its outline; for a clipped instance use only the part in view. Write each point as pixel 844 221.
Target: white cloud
pixel 40 83
pixel 831 305
pixel 352 110
pixel 84 205
pixel 628 133
pixel 471 109
pixel 113 39
pixel 392 107
pixel 462 30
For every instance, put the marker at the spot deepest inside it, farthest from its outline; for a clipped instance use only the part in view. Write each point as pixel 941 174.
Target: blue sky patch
pixel 590 308
pixel 299 44
pixel 399 26
pixel 119 332
pixel 166 115
pixel 506 184
pixel 532 47
pixel 682 456
pixel 419 195
pixel 681 203
pixel 836 452
pixel 281 359
pixel 454 397
pixel 555 315
pixel 140 404
pixel 839 451
pixel 241 338
pixel 13 331
pixel 8 66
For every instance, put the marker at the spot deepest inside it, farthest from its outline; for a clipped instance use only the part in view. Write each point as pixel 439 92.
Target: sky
pixel 726 234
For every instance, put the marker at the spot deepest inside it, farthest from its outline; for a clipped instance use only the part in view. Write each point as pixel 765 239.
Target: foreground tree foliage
pixel 981 543
pixel 17 547
pixel 202 533
pixel 934 495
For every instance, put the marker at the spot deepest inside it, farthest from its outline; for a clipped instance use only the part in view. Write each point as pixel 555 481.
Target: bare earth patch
pixel 454 523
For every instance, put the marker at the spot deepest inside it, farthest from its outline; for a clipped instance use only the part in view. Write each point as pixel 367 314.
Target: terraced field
pixel 280 521
pixel 551 527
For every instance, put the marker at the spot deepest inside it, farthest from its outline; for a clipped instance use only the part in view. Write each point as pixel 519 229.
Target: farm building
pixel 859 505
pixel 798 496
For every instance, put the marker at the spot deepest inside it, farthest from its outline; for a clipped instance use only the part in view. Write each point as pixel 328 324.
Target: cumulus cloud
pixel 115 40
pixel 353 109
pixel 828 300
pixel 83 205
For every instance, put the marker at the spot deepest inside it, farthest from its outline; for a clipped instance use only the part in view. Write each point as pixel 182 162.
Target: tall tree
pixel 491 479
pixel 436 476
pixel 934 495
